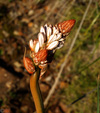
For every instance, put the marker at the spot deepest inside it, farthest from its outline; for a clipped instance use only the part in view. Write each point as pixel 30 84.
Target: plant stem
pixel 36 93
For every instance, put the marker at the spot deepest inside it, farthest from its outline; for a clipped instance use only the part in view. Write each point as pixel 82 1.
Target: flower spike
pixel 50 38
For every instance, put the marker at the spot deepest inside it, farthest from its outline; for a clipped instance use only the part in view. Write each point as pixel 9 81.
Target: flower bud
pixel 52 38
pixel 49 31
pixel 34 45
pixel 28 64
pixel 43 70
pixel 40 56
pixel 41 39
pixel 58 36
pixel 66 26
pixel 55 30
pixel 31 45
pixel 37 47
pixel 52 45
pixel 42 30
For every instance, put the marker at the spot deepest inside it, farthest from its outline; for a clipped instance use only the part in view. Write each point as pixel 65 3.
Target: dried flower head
pixel 50 38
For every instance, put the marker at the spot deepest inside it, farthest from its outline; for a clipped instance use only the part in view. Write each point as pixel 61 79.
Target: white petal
pixel 43 70
pixel 52 45
pixel 52 38
pixel 41 39
pixel 49 31
pixel 50 25
pixel 59 36
pixel 42 29
pixel 55 30
pixel 60 45
pixel 62 39
pixel 31 45
pixel 45 25
pixel 37 47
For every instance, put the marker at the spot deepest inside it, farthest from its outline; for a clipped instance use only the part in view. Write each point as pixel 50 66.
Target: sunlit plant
pixel 50 38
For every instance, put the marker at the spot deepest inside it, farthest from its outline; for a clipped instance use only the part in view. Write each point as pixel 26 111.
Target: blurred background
pixel 76 92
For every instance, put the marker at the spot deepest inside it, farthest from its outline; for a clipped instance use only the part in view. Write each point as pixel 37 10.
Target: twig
pixel 83 96
pixel 66 57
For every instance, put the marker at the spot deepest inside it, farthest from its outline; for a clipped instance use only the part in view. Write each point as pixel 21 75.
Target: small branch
pixel 83 96
pixel 66 57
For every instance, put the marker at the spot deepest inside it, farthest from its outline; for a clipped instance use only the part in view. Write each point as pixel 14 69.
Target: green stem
pixel 36 93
